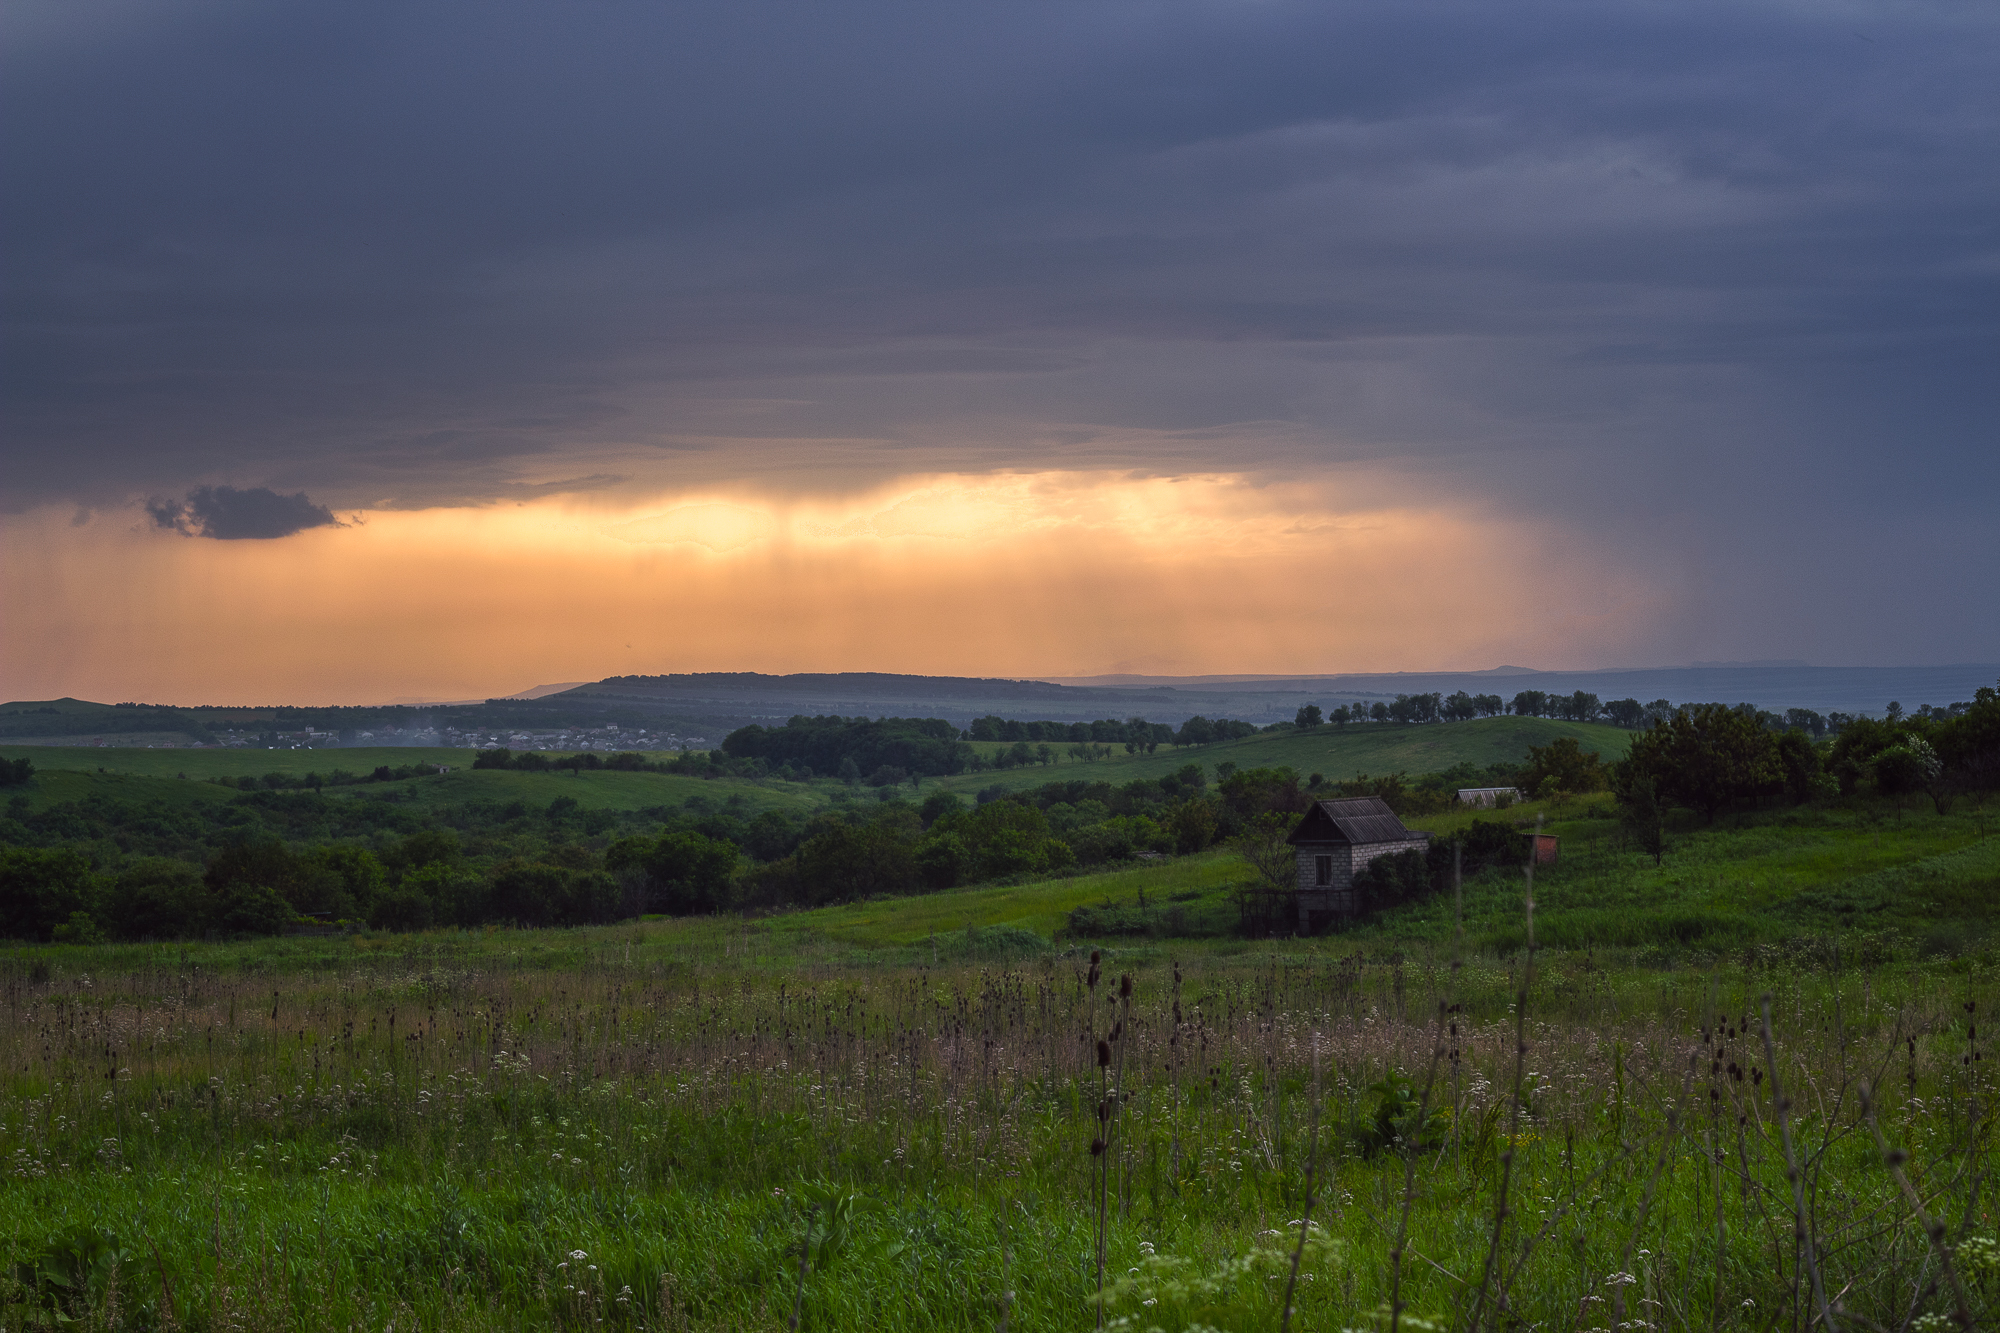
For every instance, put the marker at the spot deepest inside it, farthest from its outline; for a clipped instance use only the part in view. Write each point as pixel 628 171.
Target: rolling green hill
pixel 1745 881
pixel 252 763
pixel 73 773
pixel 1375 748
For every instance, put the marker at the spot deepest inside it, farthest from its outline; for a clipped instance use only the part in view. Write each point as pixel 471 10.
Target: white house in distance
pixel 1489 797
pixel 1334 840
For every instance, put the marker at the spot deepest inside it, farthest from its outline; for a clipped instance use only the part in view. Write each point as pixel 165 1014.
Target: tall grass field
pixel 751 1125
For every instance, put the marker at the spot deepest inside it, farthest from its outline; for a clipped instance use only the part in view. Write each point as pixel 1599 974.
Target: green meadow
pixel 841 1120
pixel 1374 748
pixel 1730 1090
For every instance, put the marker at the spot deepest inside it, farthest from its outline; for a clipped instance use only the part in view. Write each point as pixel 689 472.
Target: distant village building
pixel 1543 847
pixel 1333 841
pixel 1489 797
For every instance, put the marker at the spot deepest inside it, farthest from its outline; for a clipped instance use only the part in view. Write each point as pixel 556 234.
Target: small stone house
pixel 1488 797
pixel 1334 840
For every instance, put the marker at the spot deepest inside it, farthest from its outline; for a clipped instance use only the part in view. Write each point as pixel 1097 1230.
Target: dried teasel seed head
pixel 1097 1147
pixel 1095 958
pixel 1125 986
pixel 1103 1054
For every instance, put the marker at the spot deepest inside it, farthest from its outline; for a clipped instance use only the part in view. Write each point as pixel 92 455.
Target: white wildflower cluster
pixel 1381 1317
pixel 1172 1293
pixel 1978 1258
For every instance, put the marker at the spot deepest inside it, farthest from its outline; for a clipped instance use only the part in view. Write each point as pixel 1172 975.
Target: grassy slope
pixel 1043 906
pixel 600 790
pixel 1740 882
pixel 233 763
pixel 1338 752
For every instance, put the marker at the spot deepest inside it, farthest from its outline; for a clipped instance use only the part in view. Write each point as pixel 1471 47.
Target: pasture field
pixel 232 763
pixel 1375 748
pixel 591 791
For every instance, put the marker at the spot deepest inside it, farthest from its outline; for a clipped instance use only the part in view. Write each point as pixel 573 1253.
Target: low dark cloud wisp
pixel 228 514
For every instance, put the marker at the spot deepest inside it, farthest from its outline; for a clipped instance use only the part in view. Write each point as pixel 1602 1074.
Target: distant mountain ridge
pixel 1773 685
pixel 714 703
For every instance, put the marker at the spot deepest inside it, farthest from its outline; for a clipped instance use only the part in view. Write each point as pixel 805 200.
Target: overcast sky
pixel 1711 287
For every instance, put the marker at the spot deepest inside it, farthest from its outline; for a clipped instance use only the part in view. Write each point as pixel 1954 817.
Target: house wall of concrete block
pixel 1337 897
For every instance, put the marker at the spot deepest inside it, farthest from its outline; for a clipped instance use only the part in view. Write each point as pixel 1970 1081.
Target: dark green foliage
pixel 542 894
pixel 16 772
pixel 1248 793
pixel 1487 842
pixel 1800 761
pixel 309 887
pixel 826 744
pixel 63 1277
pixel 1389 881
pixel 1136 731
pixel 81 928
pixel 363 880
pixel 1199 730
pixel 1969 744
pixel 157 898
pixel 937 805
pixel 690 873
pixel 431 846
pixel 1898 770
pixel 1564 763
pixel 843 862
pixel 1400 1122
pixel 245 907
pixel 1706 758
pixel 407 906
pixel 943 860
pixel 1644 819
pixel 39 888
pixel 770 836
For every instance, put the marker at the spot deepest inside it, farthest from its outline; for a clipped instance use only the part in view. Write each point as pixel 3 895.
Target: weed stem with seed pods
pixel 1802 1238
pixel 1305 1216
pixel 1934 1230
pixel 1121 1035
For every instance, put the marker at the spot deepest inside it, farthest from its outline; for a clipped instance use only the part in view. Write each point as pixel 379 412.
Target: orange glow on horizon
pixel 1011 575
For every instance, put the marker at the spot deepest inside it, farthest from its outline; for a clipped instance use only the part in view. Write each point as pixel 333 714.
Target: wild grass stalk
pixel 1500 1213
pixel 1804 1243
pixel 1306 1211
pixel 1622 1278
pixel 1934 1230
pixel 1120 1036
pixel 1411 1151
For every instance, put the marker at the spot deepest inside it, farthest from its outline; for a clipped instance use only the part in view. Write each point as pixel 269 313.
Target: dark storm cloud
pixel 1722 276
pixel 232 515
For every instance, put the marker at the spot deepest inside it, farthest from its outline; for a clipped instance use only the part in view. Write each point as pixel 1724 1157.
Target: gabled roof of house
pixel 1357 819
